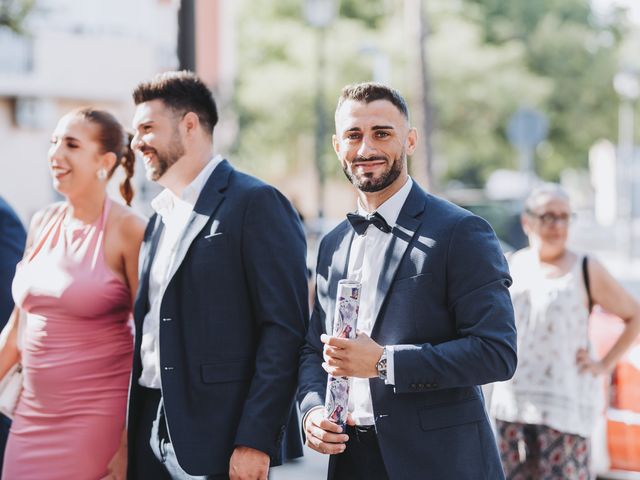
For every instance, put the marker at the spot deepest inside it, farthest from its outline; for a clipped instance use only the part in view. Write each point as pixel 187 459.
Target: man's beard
pixel 166 158
pixel 368 183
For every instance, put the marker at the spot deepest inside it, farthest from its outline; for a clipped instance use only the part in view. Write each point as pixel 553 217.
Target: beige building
pixel 90 53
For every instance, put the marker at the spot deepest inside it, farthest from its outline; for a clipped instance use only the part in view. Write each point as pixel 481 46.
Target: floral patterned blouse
pixel 552 323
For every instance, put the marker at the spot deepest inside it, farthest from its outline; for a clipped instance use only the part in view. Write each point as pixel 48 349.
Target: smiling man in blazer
pixel 222 305
pixel 435 321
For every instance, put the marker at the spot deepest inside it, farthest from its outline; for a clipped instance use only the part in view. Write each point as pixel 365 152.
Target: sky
pixel 632 5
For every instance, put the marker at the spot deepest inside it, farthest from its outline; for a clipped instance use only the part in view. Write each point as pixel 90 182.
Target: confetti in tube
pixel 344 326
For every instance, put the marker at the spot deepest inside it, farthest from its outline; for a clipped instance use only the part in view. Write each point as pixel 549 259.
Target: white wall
pixel 84 52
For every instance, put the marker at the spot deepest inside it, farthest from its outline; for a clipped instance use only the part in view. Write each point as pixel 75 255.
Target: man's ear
pixel 412 141
pixel 190 122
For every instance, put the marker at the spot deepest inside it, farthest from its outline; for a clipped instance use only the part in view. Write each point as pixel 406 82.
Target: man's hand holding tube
pixel 323 435
pixel 356 357
pixel 343 357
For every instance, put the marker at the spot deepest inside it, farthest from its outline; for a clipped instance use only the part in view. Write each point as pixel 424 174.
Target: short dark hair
pixel 182 92
pixel 370 92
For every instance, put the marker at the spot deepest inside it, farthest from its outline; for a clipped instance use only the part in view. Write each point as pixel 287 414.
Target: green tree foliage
pixel 487 58
pixel 278 74
pixel 13 13
pixel 564 43
pixel 477 86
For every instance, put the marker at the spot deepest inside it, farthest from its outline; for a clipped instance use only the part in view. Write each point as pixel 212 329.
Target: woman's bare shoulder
pixel 128 223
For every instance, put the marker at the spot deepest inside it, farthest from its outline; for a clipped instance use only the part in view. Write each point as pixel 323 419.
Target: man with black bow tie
pixel 435 320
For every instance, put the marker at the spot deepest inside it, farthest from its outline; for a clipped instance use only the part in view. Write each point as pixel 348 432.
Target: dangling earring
pixel 102 174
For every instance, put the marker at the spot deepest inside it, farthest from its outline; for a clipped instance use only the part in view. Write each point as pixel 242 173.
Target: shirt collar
pixel 165 201
pixel 192 191
pixel 390 209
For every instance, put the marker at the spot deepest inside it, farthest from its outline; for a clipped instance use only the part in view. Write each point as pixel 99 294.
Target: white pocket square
pixel 213 231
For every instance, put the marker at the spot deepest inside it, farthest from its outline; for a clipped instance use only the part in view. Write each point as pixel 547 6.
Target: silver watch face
pixel 381 365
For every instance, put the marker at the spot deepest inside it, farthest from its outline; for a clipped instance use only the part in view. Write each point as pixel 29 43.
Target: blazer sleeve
pixel 274 261
pixel 312 381
pixel 480 306
pixel 12 241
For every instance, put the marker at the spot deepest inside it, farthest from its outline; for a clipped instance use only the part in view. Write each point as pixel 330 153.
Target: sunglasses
pixel 547 219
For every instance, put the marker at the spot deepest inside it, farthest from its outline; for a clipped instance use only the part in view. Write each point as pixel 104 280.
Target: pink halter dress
pixel 76 355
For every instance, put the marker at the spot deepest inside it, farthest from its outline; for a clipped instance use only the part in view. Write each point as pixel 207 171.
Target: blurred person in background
pixel 12 240
pixel 545 413
pixel 75 284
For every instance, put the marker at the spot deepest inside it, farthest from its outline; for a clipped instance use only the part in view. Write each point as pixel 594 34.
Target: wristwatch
pixel 381 365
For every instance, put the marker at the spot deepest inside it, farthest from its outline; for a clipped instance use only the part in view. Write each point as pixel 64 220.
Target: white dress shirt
pixel 174 212
pixel 365 265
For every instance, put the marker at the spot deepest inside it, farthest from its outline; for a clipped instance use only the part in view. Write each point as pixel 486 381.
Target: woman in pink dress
pixel 75 285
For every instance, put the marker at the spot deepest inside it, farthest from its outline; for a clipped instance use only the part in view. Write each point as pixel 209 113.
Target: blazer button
pixel 412 386
pixel 421 385
pixel 166 319
pixel 168 369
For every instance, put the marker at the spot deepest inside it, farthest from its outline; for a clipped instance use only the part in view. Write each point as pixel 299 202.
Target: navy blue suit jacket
pixel 443 302
pixel 233 319
pixel 12 240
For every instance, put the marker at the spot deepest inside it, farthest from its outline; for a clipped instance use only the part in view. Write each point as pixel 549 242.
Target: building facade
pixel 90 53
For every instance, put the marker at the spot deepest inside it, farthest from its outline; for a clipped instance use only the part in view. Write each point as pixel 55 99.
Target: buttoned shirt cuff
pixel 391 378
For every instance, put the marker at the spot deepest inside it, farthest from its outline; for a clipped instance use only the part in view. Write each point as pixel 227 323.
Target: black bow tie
pixel 361 223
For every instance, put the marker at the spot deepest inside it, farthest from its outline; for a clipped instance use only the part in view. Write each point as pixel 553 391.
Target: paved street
pixel 313 466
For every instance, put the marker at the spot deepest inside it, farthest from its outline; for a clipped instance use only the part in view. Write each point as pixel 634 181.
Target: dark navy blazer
pixel 12 240
pixel 443 302
pixel 233 319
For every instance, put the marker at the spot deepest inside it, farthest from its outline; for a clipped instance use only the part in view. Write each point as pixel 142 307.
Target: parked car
pixel 502 215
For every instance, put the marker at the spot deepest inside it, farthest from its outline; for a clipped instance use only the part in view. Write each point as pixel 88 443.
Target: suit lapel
pixel 406 227
pixel 337 272
pixel 147 254
pixel 208 201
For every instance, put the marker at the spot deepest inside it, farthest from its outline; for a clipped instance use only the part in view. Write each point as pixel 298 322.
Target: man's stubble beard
pixel 167 158
pixel 371 185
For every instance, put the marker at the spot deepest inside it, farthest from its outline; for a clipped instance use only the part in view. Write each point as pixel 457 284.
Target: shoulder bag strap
pixel 585 276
